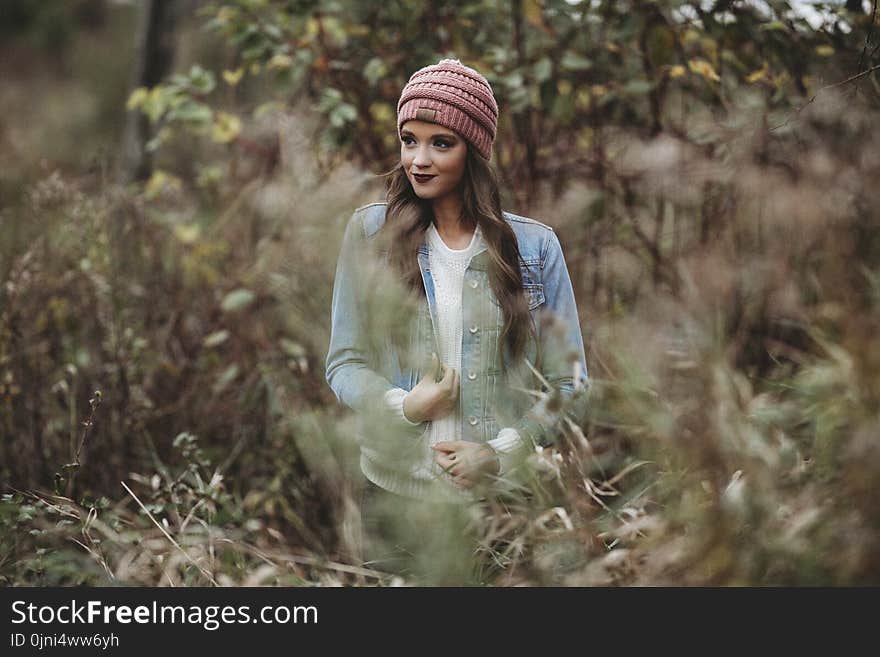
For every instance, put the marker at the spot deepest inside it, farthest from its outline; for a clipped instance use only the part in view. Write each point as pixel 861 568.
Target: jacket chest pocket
pixel 534 291
pixel 534 294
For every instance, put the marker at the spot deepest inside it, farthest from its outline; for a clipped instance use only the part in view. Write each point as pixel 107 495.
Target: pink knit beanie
pixel 455 96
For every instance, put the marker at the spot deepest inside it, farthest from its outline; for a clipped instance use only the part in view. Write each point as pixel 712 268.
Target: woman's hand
pixel 431 399
pixel 466 462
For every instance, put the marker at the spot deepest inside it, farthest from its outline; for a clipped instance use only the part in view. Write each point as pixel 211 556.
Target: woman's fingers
pixel 452 464
pixel 436 368
pixel 444 460
pixel 459 459
pixel 464 482
pixel 431 371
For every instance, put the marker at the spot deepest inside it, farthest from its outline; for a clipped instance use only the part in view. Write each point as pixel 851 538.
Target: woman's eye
pixel 439 142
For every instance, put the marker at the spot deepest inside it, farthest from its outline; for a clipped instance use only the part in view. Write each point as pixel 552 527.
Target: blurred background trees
pixel 175 179
pixel 154 55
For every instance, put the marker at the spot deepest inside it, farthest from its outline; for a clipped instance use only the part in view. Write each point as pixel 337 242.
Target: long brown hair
pixel 408 217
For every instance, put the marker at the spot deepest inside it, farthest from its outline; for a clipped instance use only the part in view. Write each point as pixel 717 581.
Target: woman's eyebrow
pixel 445 135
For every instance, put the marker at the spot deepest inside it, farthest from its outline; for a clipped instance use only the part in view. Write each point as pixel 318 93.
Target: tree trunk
pixel 153 59
pixel 855 6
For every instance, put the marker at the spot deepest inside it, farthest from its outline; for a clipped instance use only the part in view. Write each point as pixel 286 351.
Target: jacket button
pixel 472 375
pixel 472 420
pixel 473 329
pixel 475 283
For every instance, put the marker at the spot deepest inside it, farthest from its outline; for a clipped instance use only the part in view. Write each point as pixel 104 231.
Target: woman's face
pixel 437 152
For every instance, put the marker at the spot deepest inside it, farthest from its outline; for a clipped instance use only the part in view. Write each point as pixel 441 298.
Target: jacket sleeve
pixel 351 363
pixel 563 361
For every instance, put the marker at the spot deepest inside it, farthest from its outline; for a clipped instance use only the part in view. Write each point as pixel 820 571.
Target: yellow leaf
pixel 279 61
pixel 312 28
pixel 381 111
pixel 676 71
pixel 187 233
pixel 755 76
pixel 710 48
pixel 533 13
pixel 233 77
pixel 225 15
pixel 153 105
pixel 161 182
pixel 563 87
pixel 824 51
pixel 137 98
pixel 584 138
pixel 704 68
pixel 690 36
pixel 334 29
pixel 226 127
pixel 265 109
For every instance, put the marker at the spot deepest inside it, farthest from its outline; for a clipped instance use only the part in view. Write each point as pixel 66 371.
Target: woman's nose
pixel 422 158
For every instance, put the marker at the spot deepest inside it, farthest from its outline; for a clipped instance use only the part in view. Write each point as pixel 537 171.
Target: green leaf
pixel 183 438
pixel 330 99
pixel 273 31
pixel 514 80
pixel 267 108
pixel 342 114
pixel 193 113
pixel 773 26
pixel 574 62
pixel 227 377
pixel 291 348
pixel 543 69
pixel 637 87
pixel 237 300
pixel 519 99
pixel 201 80
pixel 216 338
pixel 375 70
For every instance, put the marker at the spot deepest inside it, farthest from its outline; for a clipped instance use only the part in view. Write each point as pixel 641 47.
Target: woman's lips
pixel 422 179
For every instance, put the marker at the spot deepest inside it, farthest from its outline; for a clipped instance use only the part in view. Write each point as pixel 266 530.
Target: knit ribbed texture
pixel 507 445
pixel 455 96
pixel 394 401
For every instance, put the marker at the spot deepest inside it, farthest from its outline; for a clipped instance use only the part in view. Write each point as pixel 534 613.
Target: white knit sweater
pixel 448 267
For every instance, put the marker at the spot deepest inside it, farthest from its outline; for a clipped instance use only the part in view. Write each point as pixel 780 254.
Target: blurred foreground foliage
pixel 715 198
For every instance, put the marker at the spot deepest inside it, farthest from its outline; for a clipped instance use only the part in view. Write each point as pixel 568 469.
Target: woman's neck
pixel 450 223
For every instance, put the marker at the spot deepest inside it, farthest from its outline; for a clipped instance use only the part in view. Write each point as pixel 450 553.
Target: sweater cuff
pixel 394 403
pixel 507 445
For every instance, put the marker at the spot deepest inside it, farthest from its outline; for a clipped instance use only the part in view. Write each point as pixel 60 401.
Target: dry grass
pixel 728 295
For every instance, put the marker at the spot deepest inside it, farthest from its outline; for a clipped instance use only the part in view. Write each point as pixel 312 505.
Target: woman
pixel 446 395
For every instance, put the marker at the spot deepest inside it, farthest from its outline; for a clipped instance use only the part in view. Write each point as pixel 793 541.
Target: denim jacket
pixel 360 369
